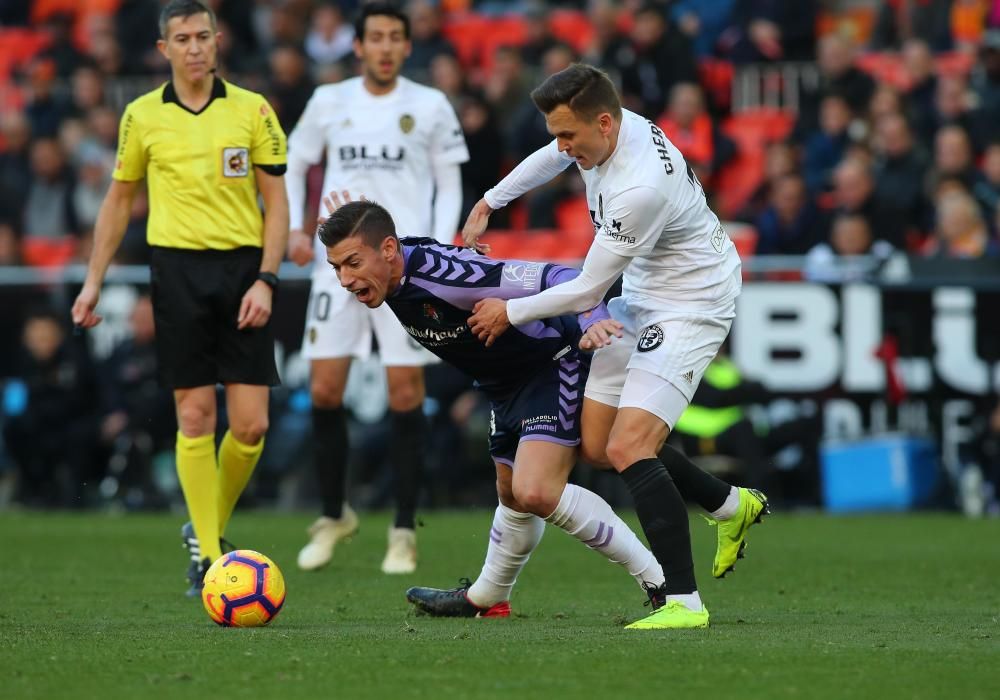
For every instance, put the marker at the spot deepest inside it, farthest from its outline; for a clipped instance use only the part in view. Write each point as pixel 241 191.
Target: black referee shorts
pixel 196 300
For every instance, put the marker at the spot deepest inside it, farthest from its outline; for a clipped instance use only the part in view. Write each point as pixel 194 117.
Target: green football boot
pixel 674 615
pixel 733 531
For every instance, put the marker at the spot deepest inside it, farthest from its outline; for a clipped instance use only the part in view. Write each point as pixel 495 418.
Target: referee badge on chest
pixel 235 162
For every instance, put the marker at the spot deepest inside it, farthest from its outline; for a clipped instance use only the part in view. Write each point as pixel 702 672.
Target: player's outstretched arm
pixel 537 169
pixel 492 317
pixel 475 226
pixel 632 223
pixel 109 229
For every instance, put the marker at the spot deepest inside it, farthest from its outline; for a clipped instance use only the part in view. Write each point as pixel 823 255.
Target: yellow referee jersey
pixel 199 166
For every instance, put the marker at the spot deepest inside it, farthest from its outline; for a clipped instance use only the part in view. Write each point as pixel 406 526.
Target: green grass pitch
pixel 92 606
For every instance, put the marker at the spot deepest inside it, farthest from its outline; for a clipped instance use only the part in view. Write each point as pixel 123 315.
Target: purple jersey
pixel 441 284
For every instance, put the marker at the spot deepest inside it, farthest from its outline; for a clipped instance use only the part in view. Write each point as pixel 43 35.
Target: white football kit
pixel 401 150
pixel 681 271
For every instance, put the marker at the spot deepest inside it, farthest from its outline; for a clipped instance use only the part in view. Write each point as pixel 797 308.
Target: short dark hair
pixel 586 90
pixel 373 9
pixel 369 220
pixel 183 8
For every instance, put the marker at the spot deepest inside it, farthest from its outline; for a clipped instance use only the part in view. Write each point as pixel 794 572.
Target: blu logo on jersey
pixel 387 153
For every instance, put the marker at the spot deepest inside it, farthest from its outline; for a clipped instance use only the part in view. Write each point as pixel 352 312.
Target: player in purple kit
pixel 532 375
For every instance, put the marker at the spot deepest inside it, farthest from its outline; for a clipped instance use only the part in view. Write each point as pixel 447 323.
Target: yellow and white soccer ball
pixel 243 589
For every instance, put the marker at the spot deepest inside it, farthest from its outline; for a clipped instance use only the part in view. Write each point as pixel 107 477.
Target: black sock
pixel 330 457
pixel 694 483
pixel 407 456
pixel 664 519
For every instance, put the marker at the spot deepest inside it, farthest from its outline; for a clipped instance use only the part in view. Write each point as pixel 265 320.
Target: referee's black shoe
pixel 196 577
pixel 453 602
pixel 198 565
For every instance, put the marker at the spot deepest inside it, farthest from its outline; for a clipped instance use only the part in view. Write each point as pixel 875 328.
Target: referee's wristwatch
pixel 270 279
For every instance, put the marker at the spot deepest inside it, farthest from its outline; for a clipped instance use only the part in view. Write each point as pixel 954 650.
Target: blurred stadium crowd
pixel 830 128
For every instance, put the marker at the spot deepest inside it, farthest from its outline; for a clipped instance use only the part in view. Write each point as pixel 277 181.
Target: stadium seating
pixel 572 27
pixel 887 67
pixel 48 252
pixel 752 131
pixel 18 46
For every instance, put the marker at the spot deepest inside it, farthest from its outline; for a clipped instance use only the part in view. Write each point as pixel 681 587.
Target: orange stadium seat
pixel 885 67
pixel 41 10
pixel 752 131
pixel 716 78
pixel 48 252
pixel 954 63
pixel 509 30
pixel 736 182
pixel 573 217
pixel 573 28
pixel 18 46
pixel 465 32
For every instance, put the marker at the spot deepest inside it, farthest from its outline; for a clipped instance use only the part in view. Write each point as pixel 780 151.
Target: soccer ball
pixel 243 589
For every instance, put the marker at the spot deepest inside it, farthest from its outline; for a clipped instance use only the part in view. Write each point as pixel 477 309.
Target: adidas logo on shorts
pixel 688 376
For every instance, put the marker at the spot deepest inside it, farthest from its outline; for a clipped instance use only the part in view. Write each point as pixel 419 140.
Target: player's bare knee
pixel 250 432
pixel 505 493
pixel 623 453
pixel 195 419
pixel 535 498
pixel 326 394
pixel 594 455
pixel 406 396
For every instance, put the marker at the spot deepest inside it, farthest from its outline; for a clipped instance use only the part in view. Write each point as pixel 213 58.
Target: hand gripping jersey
pixel 441 284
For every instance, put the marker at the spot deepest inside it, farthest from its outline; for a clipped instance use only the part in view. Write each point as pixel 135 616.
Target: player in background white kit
pixel 399 143
pixel 681 280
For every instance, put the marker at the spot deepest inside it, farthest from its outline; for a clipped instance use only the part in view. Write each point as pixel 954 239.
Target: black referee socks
pixel 664 519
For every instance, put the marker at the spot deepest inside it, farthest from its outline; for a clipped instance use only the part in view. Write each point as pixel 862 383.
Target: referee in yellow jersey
pixel 205 148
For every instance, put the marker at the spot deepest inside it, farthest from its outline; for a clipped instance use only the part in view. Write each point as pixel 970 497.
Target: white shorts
pixel 338 325
pixel 656 366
